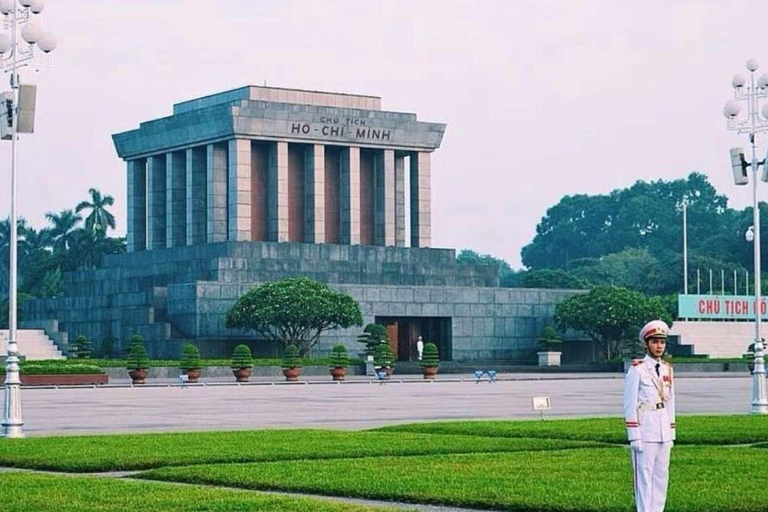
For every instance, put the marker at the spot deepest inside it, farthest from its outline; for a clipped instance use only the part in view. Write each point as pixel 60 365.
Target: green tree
pixel 63 224
pixel 294 311
pixel 608 314
pixel 470 257
pixel 99 219
pixel 138 359
pixel 551 278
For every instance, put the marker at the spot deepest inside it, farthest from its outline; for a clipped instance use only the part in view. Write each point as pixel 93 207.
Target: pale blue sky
pixel 542 98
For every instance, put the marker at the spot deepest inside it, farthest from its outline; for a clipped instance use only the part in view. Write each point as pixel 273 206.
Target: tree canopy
pixel 294 311
pixel 66 244
pixel 611 316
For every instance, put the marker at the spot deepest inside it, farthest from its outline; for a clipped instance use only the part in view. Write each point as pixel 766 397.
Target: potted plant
pixel 383 358
pixel 190 363
pixel 430 361
pixel 138 360
pixel 372 336
pixel 550 342
pixel 242 362
pixel 291 363
pixel 339 362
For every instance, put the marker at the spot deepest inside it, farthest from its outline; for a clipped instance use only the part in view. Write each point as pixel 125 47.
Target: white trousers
pixel 651 474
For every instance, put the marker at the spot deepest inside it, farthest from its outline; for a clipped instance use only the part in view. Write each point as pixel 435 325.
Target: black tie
pixel 657 369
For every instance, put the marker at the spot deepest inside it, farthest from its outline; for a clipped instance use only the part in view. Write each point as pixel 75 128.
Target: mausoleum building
pixel 261 183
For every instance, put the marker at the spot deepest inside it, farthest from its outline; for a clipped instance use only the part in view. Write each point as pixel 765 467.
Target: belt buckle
pixel 659 405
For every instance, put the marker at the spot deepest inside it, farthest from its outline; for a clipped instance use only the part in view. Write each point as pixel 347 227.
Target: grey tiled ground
pixel 350 406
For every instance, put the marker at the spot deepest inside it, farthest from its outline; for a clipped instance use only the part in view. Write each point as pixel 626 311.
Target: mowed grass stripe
pixel 596 480
pixel 146 451
pixel 705 430
pixel 23 492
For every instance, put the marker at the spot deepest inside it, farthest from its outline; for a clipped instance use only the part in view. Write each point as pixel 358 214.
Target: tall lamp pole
pixel 751 93
pixel 18 50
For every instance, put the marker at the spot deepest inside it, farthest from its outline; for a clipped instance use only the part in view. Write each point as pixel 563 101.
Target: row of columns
pixel 243 190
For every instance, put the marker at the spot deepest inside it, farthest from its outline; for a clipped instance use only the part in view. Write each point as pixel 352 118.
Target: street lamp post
pixel 18 50
pixel 751 93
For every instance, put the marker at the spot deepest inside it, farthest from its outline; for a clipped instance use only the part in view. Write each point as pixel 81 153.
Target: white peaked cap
pixel 654 328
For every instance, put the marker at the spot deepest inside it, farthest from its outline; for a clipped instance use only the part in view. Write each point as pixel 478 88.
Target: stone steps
pixel 33 344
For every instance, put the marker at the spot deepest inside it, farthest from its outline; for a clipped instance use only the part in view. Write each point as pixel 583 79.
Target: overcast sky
pixel 542 98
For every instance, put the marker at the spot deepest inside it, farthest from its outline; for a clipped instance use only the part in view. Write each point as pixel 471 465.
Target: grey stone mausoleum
pixel 261 183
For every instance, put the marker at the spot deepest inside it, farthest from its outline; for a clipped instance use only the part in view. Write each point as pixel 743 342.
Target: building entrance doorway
pixel 403 333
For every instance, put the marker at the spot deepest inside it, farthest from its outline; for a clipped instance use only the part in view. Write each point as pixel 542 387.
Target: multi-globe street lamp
pixel 751 92
pixel 18 49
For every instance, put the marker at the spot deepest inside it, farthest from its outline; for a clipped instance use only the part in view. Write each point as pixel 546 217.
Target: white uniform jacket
pixel 649 402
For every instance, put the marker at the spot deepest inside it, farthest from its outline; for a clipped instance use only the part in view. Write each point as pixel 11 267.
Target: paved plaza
pixel 354 405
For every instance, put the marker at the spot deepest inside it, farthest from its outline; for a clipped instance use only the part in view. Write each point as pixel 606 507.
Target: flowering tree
pixel 294 311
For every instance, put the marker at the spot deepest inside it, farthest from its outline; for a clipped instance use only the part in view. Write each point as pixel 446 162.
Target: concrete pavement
pixel 352 406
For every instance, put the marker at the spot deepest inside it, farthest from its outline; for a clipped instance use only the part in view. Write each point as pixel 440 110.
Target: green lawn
pixel 711 430
pixel 21 492
pixel 145 451
pixel 599 479
pixel 534 466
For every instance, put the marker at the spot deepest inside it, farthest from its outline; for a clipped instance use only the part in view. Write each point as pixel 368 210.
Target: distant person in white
pixel 649 411
pixel 420 347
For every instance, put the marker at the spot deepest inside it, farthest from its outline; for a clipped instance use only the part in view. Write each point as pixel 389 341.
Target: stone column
pixel 400 200
pixel 156 202
pixel 239 195
pixel 137 205
pixel 278 192
pixel 197 194
pixel 350 195
pixel 176 199
pixel 421 207
pixel 216 157
pixel 384 172
pixel 314 194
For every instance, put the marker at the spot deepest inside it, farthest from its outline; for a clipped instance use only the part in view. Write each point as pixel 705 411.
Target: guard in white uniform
pixel 649 411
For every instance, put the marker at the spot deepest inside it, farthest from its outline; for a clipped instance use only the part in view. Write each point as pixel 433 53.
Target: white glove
pixel 636 446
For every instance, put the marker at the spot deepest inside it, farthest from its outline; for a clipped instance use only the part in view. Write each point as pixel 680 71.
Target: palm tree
pixel 62 226
pixel 99 219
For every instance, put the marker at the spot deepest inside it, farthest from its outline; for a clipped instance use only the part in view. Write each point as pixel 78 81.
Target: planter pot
pixel 138 376
pixel 70 379
pixel 193 374
pixel 339 373
pixel 549 358
pixel 242 374
pixel 429 371
pixel 291 374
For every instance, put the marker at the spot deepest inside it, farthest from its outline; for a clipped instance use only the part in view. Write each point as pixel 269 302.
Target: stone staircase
pixel 33 344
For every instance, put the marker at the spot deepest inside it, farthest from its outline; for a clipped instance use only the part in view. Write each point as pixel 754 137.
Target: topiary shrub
pixel 190 358
pixel 138 359
pixel 291 357
pixel 242 358
pixel 383 356
pixel 83 347
pixel 372 336
pixel 339 357
pixel 430 357
pixel 549 340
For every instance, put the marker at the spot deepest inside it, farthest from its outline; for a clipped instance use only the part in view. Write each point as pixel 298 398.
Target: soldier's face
pixel 656 347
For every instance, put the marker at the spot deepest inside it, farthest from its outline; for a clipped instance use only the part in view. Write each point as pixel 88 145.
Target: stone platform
pixel 171 296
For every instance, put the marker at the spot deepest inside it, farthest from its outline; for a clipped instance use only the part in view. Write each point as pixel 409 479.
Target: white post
pixel 759 394
pixel 722 281
pixel 735 289
pixel 685 247
pixel 12 417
